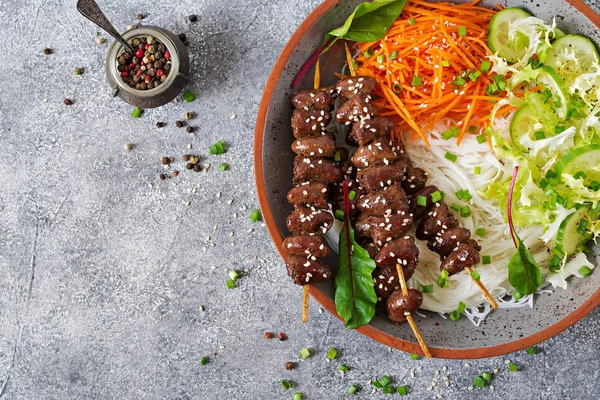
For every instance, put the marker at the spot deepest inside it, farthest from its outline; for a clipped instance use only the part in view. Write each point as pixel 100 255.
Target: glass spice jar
pixel 162 94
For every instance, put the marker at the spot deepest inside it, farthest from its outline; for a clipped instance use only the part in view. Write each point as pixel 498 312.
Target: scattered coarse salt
pixel 249 230
pixel 189 146
pixel 492 387
pixel 201 308
pixel 467 365
pixel 320 310
pixel 507 362
pixel 496 370
pixel 232 244
pixel 218 195
pixel 215 227
pixel 235 215
pixel 157 209
pixel 444 368
pixel 231 234
pixel 221 347
pixel 150 185
pixel 470 388
pixel 243 208
pixel 213 267
pixel 187 203
pixel 204 249
pixel 233 116
pixel 213 244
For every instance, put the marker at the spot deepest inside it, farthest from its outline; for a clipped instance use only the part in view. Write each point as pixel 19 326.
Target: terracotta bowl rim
pixel 324 300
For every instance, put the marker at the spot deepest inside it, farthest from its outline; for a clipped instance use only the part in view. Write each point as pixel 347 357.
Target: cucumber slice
pixel 522 124
pixel 498 34
pixel 567 237
pixel 549 78
pixel 583 49
pixel 584 158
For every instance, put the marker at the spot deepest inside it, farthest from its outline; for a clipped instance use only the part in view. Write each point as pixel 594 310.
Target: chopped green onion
pixel 421 201
pixel 217 148
pixel 188 96
pixel 455 207
pixel 396 87
pixel 230 284
pixel 501 85
pixel 402 390
pixel 394 55
pixel 555 264
pixel 486 260
pixel 411 21
pixel 459 81
pixel 460 194
pixel 416 81
pixel 491 89
pixel 487 376
pixel 461 307
pixel 426 288
pixel 479 382
pixel 441 282
pixel 444 274
pixel 203 360
pixel 539 135
pixel 445 63
pixel 353 389
pixel 475 275
pixel 585 271
pixel 339 214
pixel 332 353
pixel 451 157
pixel 485 66
pixel 297 396
pixel 337 157
pixel 305 352
pixel 224 166
pixel 380 59
pixel 450 133
pixel 385 380
pixel 343 368
pixel 255 215
pixel 465 211
pixel 351 195
pixel 512 367
pixel 233 274
pixel 472 129
pixel 531 350
pixel 473 76
pixel 480 231
pixel 454 315
pixel 368 53
pixel 467 195
pixel 414 356
pixel 377 384
pixel 387 390
pixel 579 175
pixel 481 139
pixel 287 385
pixel 136 112
pixel 462 31
pixel 436 196
pixel 477 170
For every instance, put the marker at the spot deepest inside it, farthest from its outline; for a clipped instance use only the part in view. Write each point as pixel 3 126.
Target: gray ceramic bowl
pixel 501 332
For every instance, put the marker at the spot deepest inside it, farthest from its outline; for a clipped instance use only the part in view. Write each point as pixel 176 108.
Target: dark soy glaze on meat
pixel 380 152
pixel 416 179
pixel 314 98
pixel 400 306
pixel 313 193
pixel 448 240
pixel 309 122
pixel 307 220
pixel 419 211
pixel 354 85
pixel 401 251
pixel 357 107
pixel 317 146
pixel 439 218
pixel 306 270
pixel 306 245
pixel 316 169
pixel 390 200
pixel 376 178
pixel 466 255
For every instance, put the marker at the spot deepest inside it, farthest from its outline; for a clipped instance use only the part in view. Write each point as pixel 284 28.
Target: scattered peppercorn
pixel 79 71
pixel 100 40
pixel 267 335
pixel 289 365
pixel 128 146
pixel 148 67
pixel 175 173
pixel 162 177
pixel 282 336
pixel 193 18
pixel 47 51
pixel 188 115
pixel 179 124
pixel 68 102
pixel 189 129
pixel 182 37
pixel 140 16
pixel 189 165
pixel 160 124
pixel 197 168
pixel 186 157
pixel 165 160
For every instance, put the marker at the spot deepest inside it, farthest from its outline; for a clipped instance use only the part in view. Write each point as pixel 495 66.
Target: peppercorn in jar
pixel 149 67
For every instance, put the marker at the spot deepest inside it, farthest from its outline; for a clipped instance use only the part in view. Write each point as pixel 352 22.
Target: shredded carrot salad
pixel 431 65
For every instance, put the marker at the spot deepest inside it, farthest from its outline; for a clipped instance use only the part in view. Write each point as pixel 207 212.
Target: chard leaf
pixel 355 296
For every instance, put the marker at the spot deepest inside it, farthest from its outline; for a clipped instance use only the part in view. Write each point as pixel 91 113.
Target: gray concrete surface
pixel 104 268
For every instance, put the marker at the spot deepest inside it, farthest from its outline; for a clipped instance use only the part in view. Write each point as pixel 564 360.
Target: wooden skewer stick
pixel 483 289
pixel 306 292
pixel 349 60
pixel 409 317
